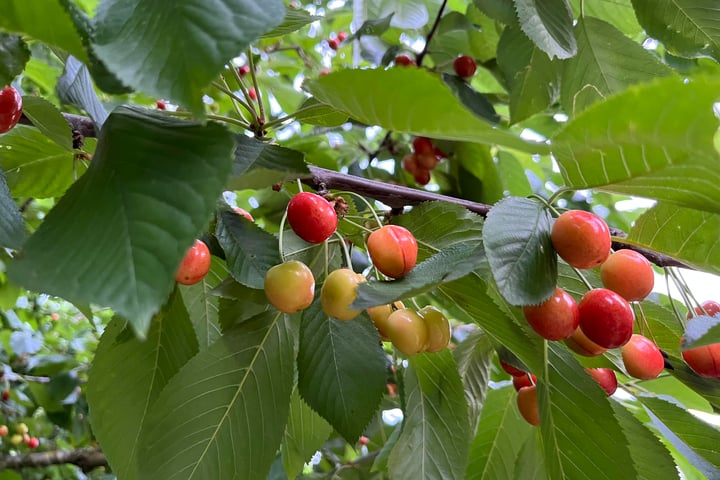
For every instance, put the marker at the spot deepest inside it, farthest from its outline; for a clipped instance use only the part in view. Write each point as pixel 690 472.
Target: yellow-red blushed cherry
pixel 604 377
pixel 527 403
pixel 438 328
pixel 407 331
pixel 581 238
pixel 393 250
pixel 339 292
pixel 290 286
pixel 556 318
pixel 311 217
pixel 195 265
pixel 629 274
pixel 580 344
pixel 10 108
pixel 380 314
pixel 606 318
pixel 642 358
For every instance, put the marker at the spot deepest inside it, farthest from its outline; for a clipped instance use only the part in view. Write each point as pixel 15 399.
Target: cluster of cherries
pixel 422 160
pixel 10 108
pixel 20 436
pixel 335 41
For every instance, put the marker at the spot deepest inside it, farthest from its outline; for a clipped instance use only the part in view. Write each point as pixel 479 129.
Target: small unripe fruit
pixel 438 328
pixel 393 250
pixel 290 286
pixel 21 428
pixel 629 274
pixel 195 265
pixel 605 377
pixel 16 439
pixel 381 313
pixel 407 331
pixel 244 213
pixel 339 292
pixel 606 318
pixel 556 318
pixel 311 217
pixel 642 358
pixel 581 238
pixel 465 66
pixel 528 405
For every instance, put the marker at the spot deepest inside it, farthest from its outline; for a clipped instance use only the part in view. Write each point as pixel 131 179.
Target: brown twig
pixel 431 34
pixel 85 458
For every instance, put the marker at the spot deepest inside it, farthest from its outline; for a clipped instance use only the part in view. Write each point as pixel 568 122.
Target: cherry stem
pixel 346 252
pixel 678 316
pixel 561 191
pixel 251 64
pixel 430 35
pixel 364 200
pixel 236 101
pixel 281 235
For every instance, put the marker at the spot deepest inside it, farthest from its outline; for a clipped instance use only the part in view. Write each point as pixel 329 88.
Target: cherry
pixel 161 105
pixel 244 213
pixel 513 371
pixel 363 440
pixel 628 273
pixel 642 358
pixel 579 343
pixel 4 430
pixel 22 428
pixel 339 292
pixel 407 331
pixel 426 160
pixel 195 265
pixel 605 377
pixel 465 66
pixel 705 360
pixel 528 405
pixel 243 70
pixel 33 442
pixel 423 145
pixel 606 318
pixel 342 36
pixel 708 307
pixel 290 286
pixel 524 380
pixel 581 238
pixel 10 108
pixel 422 176
pixel 409 163
pixel 252 93
pixel 5 395
pixel 438 328
pixel 54 316
pixel 312 217
pixel 380 314
pixel 393 250
pixel 324 71
pixel 16 439
pixel 333 43
pixel 403 60
pixel 556 318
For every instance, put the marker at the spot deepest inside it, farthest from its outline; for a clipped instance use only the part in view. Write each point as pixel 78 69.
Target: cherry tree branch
pixel 85 458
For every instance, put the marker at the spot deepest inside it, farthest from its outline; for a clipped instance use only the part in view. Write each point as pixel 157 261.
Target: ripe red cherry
pixel 333 43
pixel 513 371
pixel 252 93
pixel 580 344
pixel 195 265
pixel 642 358
pixel 4 430
pixel 556 318
pixel 403 60
pixel 363 440
pixel 710 307
pixel 244 213
pixel 628 273
pixel 605 377
pixel 342 36
pixel 290 286
pixel 426 160
pixel 409 163
pixel 528 405
pixel 393 250
pixel 606 318
pixel 10 108
pixel 423 145
pixel 465 66
pixel 33 442
pixel 161 105
pixel 311 217
pixel 581 238
pixel 524 380
pixel 243 70
pixel 705 360
pixel 422 176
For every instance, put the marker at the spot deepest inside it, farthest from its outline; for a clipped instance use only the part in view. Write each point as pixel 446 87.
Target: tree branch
pixel 85 458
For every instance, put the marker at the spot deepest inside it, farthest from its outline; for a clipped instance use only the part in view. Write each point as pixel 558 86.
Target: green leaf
pixel 434 439
pixel 250 250
pixel 365 94
pixel 341 370
pixel 76 88
pixel 305 433
pixel 315 113
pixel 258 164
pixel 12 224
pixel 295 19
pixel 127 376
pixel 698 435
pixel 575 442
pixel 204 34
pixel 474 357
pixel 48 119
pixel 449 264
pixel 519 250
pixel 607 62
pixel 549 24
pixel 500 436
pixel 239 303
pixel 701 330
pixel 478 175
pixel 687 27
pixel 473 100
pixel 224 413
pixel 36 166
pixel 152 184
pixel 46 21
pixel 619 13
pixel 372 27
pixel 530 464
pixel 500 10
pixel 14 55
pixel 202 305
pixel 686 234
pixel 640 141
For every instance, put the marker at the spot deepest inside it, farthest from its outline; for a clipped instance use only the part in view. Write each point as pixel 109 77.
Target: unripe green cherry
pixel 290 286
pixel 438 328
pixel 339 292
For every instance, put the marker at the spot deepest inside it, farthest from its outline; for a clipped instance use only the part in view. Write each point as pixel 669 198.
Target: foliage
pixel 145 123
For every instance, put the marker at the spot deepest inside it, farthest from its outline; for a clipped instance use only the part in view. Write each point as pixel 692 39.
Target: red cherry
pixel 642 358
pixel 606 318
pixel 427 161
pixel 6 395
pixel 342 36
pixel 33 442
pixel 423 145
pixel 710 307
pixel 334 43
pixel 4 431
pixel 705 360
pixel 581 238
pixel 243 70
pixel 161 105
pixel 363 440
pixel 513 371
pixel 10 108
pixel 629 274
pixel 324 71
pixel 252 94
pixel 528 405
pixel 422 176
pixel 465 66
pixel 244 213
pixel 54 316
pixel 195 265
pixel 605 377
pixel 311 217
pixel 524 380
pixel 409 163
pixel 403 60
pixel 556 318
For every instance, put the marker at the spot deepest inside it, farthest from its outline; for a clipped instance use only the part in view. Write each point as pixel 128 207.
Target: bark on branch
pixel 85 458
